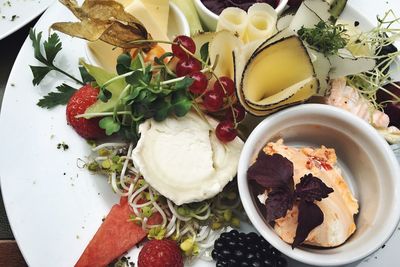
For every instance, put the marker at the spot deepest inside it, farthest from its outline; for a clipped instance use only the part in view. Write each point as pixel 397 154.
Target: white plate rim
pixel 7 204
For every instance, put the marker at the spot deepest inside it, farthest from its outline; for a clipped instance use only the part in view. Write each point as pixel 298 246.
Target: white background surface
pixel 55 207
pixel 24 10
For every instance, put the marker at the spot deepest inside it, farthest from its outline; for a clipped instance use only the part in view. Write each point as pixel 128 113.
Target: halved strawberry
pixel 77 105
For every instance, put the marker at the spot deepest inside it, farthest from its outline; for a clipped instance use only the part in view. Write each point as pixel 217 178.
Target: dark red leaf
pixel 278 203
pixel 312 188
pixel 273 172
pixel 310 216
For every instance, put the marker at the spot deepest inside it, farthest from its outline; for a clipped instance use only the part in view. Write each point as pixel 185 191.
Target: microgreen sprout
pixel 194 226
pixel 380 40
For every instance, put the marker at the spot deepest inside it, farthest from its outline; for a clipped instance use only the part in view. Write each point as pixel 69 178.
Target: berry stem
pixel 101 114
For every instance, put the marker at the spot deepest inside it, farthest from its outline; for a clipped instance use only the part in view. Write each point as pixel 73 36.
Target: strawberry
pixel 77 105
pixel 160 253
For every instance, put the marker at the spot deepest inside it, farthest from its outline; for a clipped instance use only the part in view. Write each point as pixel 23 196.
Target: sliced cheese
pixel 258 23
pixel 160 12
pixel 234 20
pixel 221 47
pixel 104 54
pixel 267 72
pixel 262 20
pixel 153 22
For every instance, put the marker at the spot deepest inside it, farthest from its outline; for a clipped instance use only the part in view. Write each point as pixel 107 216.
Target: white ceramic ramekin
pixel 368 164
pixel 210 19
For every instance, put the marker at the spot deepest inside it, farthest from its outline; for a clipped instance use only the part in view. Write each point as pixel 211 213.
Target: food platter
pixel 15 14
pixel 53 204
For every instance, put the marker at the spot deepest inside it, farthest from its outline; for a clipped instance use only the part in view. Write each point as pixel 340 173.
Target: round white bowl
pixel 368 165
pixel 210 19
pixel 177 25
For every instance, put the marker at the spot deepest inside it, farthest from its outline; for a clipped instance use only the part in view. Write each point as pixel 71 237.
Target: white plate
pixel 14 14
pixel 54 207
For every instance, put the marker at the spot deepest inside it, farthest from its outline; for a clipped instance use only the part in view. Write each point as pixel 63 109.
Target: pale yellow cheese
pixel 125 3
pixel 153 19
pixel 160 11
pixel 104 54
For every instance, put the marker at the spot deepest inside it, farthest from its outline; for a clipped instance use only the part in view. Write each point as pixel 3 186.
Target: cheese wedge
pixel 104 55
pixel 153 14
pixel 160 12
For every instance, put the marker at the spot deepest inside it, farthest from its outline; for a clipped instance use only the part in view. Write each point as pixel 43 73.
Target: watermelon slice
pixel 114 237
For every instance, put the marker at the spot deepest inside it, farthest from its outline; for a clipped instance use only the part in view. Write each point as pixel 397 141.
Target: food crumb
pixel 383 246
pixel 13 84
pixel 13 17
pixel 62 146
pixel 77 236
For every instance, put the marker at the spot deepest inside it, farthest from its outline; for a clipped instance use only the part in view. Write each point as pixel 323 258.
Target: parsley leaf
pixel 39 72
pixel 52 46
pixel 57 98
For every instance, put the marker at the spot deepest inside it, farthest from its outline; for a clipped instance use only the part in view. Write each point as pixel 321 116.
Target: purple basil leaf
pixel 278 203
pixel 272 172
pixel 310 216
pixel 312 188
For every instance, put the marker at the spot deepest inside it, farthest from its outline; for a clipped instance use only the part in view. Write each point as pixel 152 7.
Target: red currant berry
pixel 199 84
pixel 228 86
pixel 226 131
pixel 187 43
pixel 187 66
pixel 213 100
pixel 239 112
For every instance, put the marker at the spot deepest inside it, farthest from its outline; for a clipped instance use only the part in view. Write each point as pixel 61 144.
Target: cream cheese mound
pixel 183 159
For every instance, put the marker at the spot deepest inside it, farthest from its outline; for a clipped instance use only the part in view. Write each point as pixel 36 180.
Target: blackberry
pixel 234 249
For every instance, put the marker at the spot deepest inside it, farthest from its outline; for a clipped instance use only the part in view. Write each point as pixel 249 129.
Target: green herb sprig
pixel 325 37
pixel 51 48
pixel 61 97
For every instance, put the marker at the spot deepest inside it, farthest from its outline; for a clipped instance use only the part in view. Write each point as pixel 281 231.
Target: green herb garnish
pixel 150 92
pixel 51 48
pixel 325 37
pixel 57 98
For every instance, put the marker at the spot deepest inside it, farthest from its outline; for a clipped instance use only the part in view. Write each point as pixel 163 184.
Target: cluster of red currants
pixel 213 98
